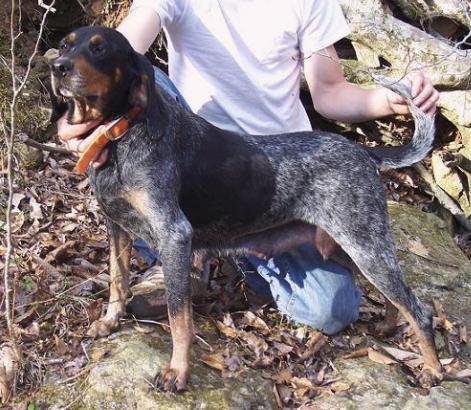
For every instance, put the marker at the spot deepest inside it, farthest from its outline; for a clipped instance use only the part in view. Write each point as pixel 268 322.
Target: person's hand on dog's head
pixel 71 136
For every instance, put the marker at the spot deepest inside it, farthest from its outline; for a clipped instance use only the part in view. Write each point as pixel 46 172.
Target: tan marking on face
pixel 71 37
pixel 96 39
pixel 98 83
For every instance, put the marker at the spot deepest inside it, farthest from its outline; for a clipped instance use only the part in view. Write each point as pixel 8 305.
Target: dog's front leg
pixel 175 246
pixel 120 253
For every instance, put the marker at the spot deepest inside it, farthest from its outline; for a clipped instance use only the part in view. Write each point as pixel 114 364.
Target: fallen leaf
pixel 36 211
pixel 464 373
pixel 463 334
pixel 313 345
pixel 283 376
pixel 282 348
pixel 400 355
pixel 62 252
pixel 69 227
pixel 447 362
pixel 250 319
pixel 61 346
pixel 226 330
pixel 94 309
pixel 379 357
pixel 302 382
pixel 16 199
pixel 214 360
pixel 18 219
pixel 338 387
pixel 8 370
pixel 356 353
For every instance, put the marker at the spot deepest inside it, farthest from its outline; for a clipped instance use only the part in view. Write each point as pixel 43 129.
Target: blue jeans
pixel 305 288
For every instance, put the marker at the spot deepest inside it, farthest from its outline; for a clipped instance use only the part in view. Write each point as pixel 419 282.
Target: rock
pixel 376 386
pixel 435 268
pixel 123 365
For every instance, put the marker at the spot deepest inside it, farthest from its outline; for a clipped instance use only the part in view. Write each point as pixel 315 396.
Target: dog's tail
pixel 421 143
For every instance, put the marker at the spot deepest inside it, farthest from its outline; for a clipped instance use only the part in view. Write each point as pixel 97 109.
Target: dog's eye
pixel 97 49
pixel 64 47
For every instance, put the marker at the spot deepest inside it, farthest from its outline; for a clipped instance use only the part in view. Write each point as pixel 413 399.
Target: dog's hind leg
pixel 120 253
pixel 371 248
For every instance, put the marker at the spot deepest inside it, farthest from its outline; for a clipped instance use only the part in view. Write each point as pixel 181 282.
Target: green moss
pixel 33 106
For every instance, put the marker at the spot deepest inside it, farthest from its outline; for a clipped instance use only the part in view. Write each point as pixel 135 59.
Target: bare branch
pixel 10 139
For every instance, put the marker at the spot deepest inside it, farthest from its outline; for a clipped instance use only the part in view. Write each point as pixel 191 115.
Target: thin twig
pixel 35 144
pixel 10 138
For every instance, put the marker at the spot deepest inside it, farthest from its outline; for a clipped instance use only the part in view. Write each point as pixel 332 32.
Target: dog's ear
pixel 143 93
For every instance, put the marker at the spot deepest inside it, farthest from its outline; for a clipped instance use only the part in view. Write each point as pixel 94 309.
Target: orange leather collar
pixel 103 134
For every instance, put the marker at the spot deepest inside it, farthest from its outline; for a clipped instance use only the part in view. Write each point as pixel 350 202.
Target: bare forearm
pixel 141 27
pixel 349 103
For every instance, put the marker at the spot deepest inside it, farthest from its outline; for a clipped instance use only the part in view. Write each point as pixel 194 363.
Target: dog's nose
pixel 61 66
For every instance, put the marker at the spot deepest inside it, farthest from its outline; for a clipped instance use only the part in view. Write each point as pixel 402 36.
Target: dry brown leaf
pixel 94 309
pixel 400 355
pixel 464 373
pixel 226 330
pixel 301 392
pixel 16 199
pixel 61 346
pixel 36 212
pixel 338 387
pixel 254 342
pixel 283 376
pixel 356 353
pixel 69 227
pixel 282 348
pixel 410 359
pixel 214 360
pixel 62 252
pixel 445 323
pixel 463 334
pixel 250 319
pixel 8 370
pixel 313 345
pixel 447 362
pixel 298 382
pixel 379 357
pixel 18 219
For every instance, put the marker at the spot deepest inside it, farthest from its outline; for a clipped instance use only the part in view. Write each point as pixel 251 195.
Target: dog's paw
pixel 429 377
pixel 171 380
pixel 103 327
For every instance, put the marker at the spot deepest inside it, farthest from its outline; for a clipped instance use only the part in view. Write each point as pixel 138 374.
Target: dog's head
pixel 100 76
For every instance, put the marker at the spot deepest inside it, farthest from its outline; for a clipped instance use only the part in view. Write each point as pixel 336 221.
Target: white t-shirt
pixel 238 62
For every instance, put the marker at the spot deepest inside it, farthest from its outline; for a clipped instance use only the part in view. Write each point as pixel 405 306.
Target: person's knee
pixel 329 301
pixel 335 314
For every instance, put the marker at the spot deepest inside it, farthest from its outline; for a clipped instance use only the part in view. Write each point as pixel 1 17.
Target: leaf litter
pixel 61 274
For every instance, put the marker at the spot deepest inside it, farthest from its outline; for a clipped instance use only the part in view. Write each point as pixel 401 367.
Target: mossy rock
pixel 124 363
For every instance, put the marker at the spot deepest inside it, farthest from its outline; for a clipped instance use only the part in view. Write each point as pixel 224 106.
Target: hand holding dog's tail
pixel 421 143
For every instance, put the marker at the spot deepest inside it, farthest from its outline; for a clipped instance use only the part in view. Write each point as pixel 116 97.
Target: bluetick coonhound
pixel 184 185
